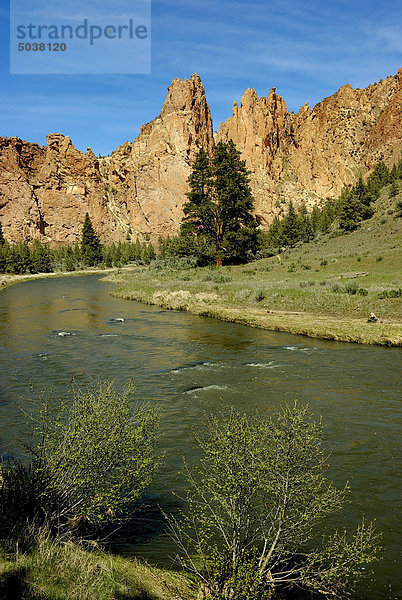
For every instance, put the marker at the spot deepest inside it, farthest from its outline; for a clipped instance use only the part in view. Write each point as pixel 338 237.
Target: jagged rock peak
pixel 141 187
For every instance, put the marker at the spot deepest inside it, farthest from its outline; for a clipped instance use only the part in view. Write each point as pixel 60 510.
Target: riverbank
pixel 64 571
pixel 312 325
pixel 326 289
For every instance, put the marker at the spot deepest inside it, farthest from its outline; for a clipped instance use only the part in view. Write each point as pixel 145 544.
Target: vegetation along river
pixel 191 365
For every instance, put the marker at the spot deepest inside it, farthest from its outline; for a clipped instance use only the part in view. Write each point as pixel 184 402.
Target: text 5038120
pixel 42 47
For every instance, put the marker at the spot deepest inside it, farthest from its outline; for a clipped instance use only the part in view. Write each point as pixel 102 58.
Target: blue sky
pixel 306 49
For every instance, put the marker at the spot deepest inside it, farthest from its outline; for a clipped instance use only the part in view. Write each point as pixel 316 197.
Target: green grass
pixel 63 571
pixel 327 288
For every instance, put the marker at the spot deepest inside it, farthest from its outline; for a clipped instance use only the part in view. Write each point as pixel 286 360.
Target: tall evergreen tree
pixel 275 232
pixel 198 210
pixel 91 248
pixel 4 249
pixel 220 204
pixel 290 227
pixel 2 238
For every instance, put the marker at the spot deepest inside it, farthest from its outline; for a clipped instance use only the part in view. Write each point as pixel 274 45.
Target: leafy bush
pixel 260 295
pixel 304 284
pixel 174 263
pixel 90 464
pixel 253 505
pixel 351 288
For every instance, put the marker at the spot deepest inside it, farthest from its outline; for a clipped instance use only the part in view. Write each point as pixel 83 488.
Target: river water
pixel 192 365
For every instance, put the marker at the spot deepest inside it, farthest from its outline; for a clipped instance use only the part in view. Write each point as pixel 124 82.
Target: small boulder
pixel 372 318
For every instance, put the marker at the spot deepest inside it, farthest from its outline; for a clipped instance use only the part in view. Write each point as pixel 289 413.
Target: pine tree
pixel 290 227
pixel 2 238
pixel 275 232
pixel 350 210
pixel 91 248
pixel 220 204
pixel 198 210
pixel 40 257
pixel 394 189
pixel 4 249
pixel 305 226
pixel 315 218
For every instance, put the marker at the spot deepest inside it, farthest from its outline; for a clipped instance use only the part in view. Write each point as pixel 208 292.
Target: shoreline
pixel 8 279
pixel 317 326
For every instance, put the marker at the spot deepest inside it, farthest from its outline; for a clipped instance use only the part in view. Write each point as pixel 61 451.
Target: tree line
pixel 21 258
pixel 219 226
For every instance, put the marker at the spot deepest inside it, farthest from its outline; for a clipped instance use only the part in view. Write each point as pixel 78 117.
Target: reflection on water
pixel 191 365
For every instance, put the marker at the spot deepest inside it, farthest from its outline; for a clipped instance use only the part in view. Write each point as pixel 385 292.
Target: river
pixel 191 365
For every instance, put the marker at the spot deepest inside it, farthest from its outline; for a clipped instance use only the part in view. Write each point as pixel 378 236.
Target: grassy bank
pixel 56 571
pixel 325 289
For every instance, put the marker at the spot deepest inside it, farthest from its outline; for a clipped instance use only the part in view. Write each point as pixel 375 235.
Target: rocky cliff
pixel 312 154
pixel 140 188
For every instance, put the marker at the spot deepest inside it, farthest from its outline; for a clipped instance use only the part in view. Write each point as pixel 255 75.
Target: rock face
pixel 141 187
pixel 149 176
pixel 313 154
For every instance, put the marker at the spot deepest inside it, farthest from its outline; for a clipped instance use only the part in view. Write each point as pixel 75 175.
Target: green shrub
pixel 91 462
pixel 362 292
pixel 307 284
pixel 254 506
pixel 260 295
pixel 221 278
pixel 351 288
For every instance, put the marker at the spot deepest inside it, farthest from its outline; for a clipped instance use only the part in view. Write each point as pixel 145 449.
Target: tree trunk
pixel 218 260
